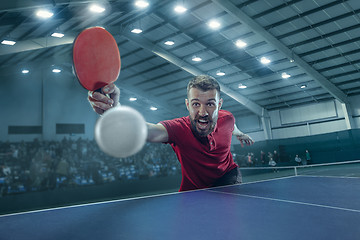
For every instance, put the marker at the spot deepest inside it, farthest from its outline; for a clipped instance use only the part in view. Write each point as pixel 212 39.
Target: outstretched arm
pixel 109 98
pixel 242 137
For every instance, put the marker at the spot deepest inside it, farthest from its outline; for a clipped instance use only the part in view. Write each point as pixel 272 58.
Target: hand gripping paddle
pixel 96 58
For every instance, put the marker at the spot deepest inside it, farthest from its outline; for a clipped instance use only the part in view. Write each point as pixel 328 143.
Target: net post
pixel 295 171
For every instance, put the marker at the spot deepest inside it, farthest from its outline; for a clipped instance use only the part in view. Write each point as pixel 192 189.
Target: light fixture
pixel 241 86
pixel 220 73
pixel 141 4
pixel 196 59
pixel 136 30
pixel 240 43
pixel 153 108
pixel 169 42
pixel 265 60
pixel 292 60
pixel 96 8
pixel 57 35
pixel 132 99
pixel 44 14
pixel 25 71
pixel 303 86
pixel 8 42
pixel 285 75
pixel 180 9
pixel 214 24
pixel 56 70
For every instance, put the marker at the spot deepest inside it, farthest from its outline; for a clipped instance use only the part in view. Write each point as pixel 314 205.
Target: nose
pixel 203 111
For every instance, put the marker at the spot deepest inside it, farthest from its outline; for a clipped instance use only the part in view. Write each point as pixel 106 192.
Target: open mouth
pixel 202 124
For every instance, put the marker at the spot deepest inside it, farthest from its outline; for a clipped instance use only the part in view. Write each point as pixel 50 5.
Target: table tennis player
pixel 201 140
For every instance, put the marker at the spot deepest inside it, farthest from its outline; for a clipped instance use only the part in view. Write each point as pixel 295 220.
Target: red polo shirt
pixel 203 159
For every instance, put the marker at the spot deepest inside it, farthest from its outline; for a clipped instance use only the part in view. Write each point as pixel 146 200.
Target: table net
pixel 336 169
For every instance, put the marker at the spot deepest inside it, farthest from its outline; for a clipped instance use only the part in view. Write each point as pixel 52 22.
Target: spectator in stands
pixel 14 152
pixel 6 170
pixel 298 159
pixel 276 156
pixel 270 156
pixel 62 171
pixel 272 163
pixel 250 160
pixel 307 157
pixel 201 140
pixel 262 157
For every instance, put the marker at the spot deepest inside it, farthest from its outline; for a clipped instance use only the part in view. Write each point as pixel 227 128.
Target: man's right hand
pixel 109 98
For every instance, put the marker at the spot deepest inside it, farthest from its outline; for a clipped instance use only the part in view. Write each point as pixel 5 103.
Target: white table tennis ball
pixel 121 132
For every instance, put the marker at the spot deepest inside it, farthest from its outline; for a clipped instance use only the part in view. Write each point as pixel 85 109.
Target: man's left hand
pixel 245 139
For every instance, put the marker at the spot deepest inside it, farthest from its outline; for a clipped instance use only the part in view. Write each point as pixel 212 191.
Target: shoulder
pixel 225 113
pixel 183 121
pixel 226 116
pixel 177 128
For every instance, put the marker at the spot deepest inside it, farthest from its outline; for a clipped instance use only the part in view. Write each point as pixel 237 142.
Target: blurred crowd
pixel 271 158
pixel 262 159
pixel 43 165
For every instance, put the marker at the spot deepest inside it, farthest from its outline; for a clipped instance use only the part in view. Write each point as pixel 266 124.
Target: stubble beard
pixel 199 131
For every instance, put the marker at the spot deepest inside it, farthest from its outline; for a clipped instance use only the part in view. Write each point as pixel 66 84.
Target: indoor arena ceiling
pixel 312 47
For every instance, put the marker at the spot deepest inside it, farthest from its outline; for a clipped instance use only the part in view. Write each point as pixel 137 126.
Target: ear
pixel 220 102
pixel 187 104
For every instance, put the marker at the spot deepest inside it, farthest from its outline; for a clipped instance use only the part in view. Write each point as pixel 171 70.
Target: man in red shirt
pixel 201 141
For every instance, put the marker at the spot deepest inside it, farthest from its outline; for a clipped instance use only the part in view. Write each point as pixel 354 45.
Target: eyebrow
pixel 209 100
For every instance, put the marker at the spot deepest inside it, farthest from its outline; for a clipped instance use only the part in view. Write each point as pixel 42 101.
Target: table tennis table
pixel 300 207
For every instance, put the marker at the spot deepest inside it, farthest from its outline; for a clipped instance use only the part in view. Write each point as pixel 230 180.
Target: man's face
pixel 203 109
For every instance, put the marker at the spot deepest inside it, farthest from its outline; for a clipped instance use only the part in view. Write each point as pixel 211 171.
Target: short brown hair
pixel 204 83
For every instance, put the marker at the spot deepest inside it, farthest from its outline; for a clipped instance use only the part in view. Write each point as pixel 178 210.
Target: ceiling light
pixel 132 99
pixel 214 24
pixel 180 9
pixel 57 35
pixel 141 4
pixel 303 86
pixel 220 73
pixel 240 43
pixel 8 42
pixel 25 71
pixel 44 14
pixel 56 70
pixel 285 75
pixel 292 60
pixel 169 43
pixel 153 108
pixel 265 60
pixel 136 30
pixel 196 59
pixel 241 86
pixel 96 8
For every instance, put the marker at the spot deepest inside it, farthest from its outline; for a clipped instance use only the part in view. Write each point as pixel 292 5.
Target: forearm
pixel 157 133
pixel 237 132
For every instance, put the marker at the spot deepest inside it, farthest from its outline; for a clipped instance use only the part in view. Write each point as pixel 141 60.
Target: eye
pixel 195 104
pixel 211 104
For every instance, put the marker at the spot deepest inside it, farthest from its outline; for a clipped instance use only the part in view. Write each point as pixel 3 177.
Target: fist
pixel 105 99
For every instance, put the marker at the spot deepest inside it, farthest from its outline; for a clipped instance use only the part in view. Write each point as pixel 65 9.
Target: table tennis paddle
pixel 96 58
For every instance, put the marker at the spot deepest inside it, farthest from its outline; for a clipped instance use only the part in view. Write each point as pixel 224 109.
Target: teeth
pixel 203 121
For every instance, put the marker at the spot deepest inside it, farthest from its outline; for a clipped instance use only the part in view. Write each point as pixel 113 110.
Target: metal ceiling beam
pixel 253 107
pixel 37 43
pixel 16 5
pixel 232 10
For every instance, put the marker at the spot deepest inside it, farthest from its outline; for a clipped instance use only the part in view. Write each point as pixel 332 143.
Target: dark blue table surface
pixel 287 208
